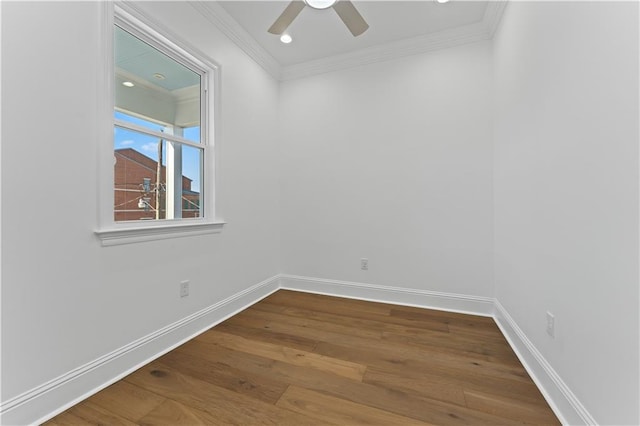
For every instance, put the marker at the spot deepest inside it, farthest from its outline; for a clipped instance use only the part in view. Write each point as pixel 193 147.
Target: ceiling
pixel 320 33
pixel 321 41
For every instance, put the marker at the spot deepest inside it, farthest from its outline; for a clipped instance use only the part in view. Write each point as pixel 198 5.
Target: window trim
pixel 108 231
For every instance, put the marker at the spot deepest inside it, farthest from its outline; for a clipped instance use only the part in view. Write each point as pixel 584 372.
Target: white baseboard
pixel 475 305
pixel 561 399
pixel 47 400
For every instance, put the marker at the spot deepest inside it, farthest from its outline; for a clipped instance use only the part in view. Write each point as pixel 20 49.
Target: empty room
pixel 320 212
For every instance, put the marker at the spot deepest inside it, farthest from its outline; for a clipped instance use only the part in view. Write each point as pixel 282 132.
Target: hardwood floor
pixel 303 359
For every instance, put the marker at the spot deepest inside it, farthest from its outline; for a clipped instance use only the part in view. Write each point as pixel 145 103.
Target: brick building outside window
pixel 138 190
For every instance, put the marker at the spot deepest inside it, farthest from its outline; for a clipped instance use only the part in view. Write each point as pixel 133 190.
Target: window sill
pixel 137 234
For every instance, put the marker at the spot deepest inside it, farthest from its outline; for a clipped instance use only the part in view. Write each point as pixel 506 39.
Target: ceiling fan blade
pixel 351 17
pixel 287 17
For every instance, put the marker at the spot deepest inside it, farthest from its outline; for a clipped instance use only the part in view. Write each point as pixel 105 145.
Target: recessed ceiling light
pixel 128 84
pixel 442 1
pixel 286 38
pixel 320 4
pixel 159 76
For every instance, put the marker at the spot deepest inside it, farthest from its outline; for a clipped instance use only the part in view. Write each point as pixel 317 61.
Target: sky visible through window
pixel 148 145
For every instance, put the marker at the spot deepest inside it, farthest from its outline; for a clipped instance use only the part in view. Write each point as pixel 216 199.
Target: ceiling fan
pixel 344 8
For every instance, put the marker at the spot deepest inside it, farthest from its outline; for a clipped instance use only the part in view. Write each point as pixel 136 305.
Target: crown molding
pixel 476 32
pixel 219 17
pixel 493 15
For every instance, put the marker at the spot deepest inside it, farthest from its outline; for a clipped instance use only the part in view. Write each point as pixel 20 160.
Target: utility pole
pixel 158 177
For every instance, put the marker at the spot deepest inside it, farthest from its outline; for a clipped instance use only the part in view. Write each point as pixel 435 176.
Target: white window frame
pixel 109 231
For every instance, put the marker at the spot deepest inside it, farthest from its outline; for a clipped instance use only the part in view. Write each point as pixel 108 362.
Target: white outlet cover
pixel 184 288
pixel 551 324
pixel 364 264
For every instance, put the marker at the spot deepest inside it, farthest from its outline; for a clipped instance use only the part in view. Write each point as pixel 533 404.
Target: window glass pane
pixel 139 186
pixel 191 182
pixel 152 86
pixel 192 133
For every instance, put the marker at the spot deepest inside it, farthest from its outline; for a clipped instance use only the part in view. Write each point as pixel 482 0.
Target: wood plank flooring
pixel 304 359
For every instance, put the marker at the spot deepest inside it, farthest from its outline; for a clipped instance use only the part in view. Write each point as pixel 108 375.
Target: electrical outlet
pixel 364 264
pixel 551 324
pixel 184 288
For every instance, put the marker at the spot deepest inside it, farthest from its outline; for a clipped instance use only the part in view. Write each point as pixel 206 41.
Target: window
pixel 157 137
pixel 162 146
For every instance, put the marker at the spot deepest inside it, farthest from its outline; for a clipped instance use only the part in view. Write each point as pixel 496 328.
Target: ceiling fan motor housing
pixel 320 4
pixel 344 8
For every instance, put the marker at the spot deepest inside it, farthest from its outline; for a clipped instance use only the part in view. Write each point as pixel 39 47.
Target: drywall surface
pixel 566 192
pixel 391 162
pixel 66 300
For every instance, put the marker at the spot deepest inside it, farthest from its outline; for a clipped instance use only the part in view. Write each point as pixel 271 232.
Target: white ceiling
pixel 322 43
pixel 320 33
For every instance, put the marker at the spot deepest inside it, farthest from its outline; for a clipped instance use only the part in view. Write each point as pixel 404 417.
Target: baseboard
pixel 561 399
pixel 45 401
pixel 475 305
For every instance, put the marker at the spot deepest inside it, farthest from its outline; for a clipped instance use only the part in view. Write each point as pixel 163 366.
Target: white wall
pixel 65 299
pixel 391 162
pixel 566 192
